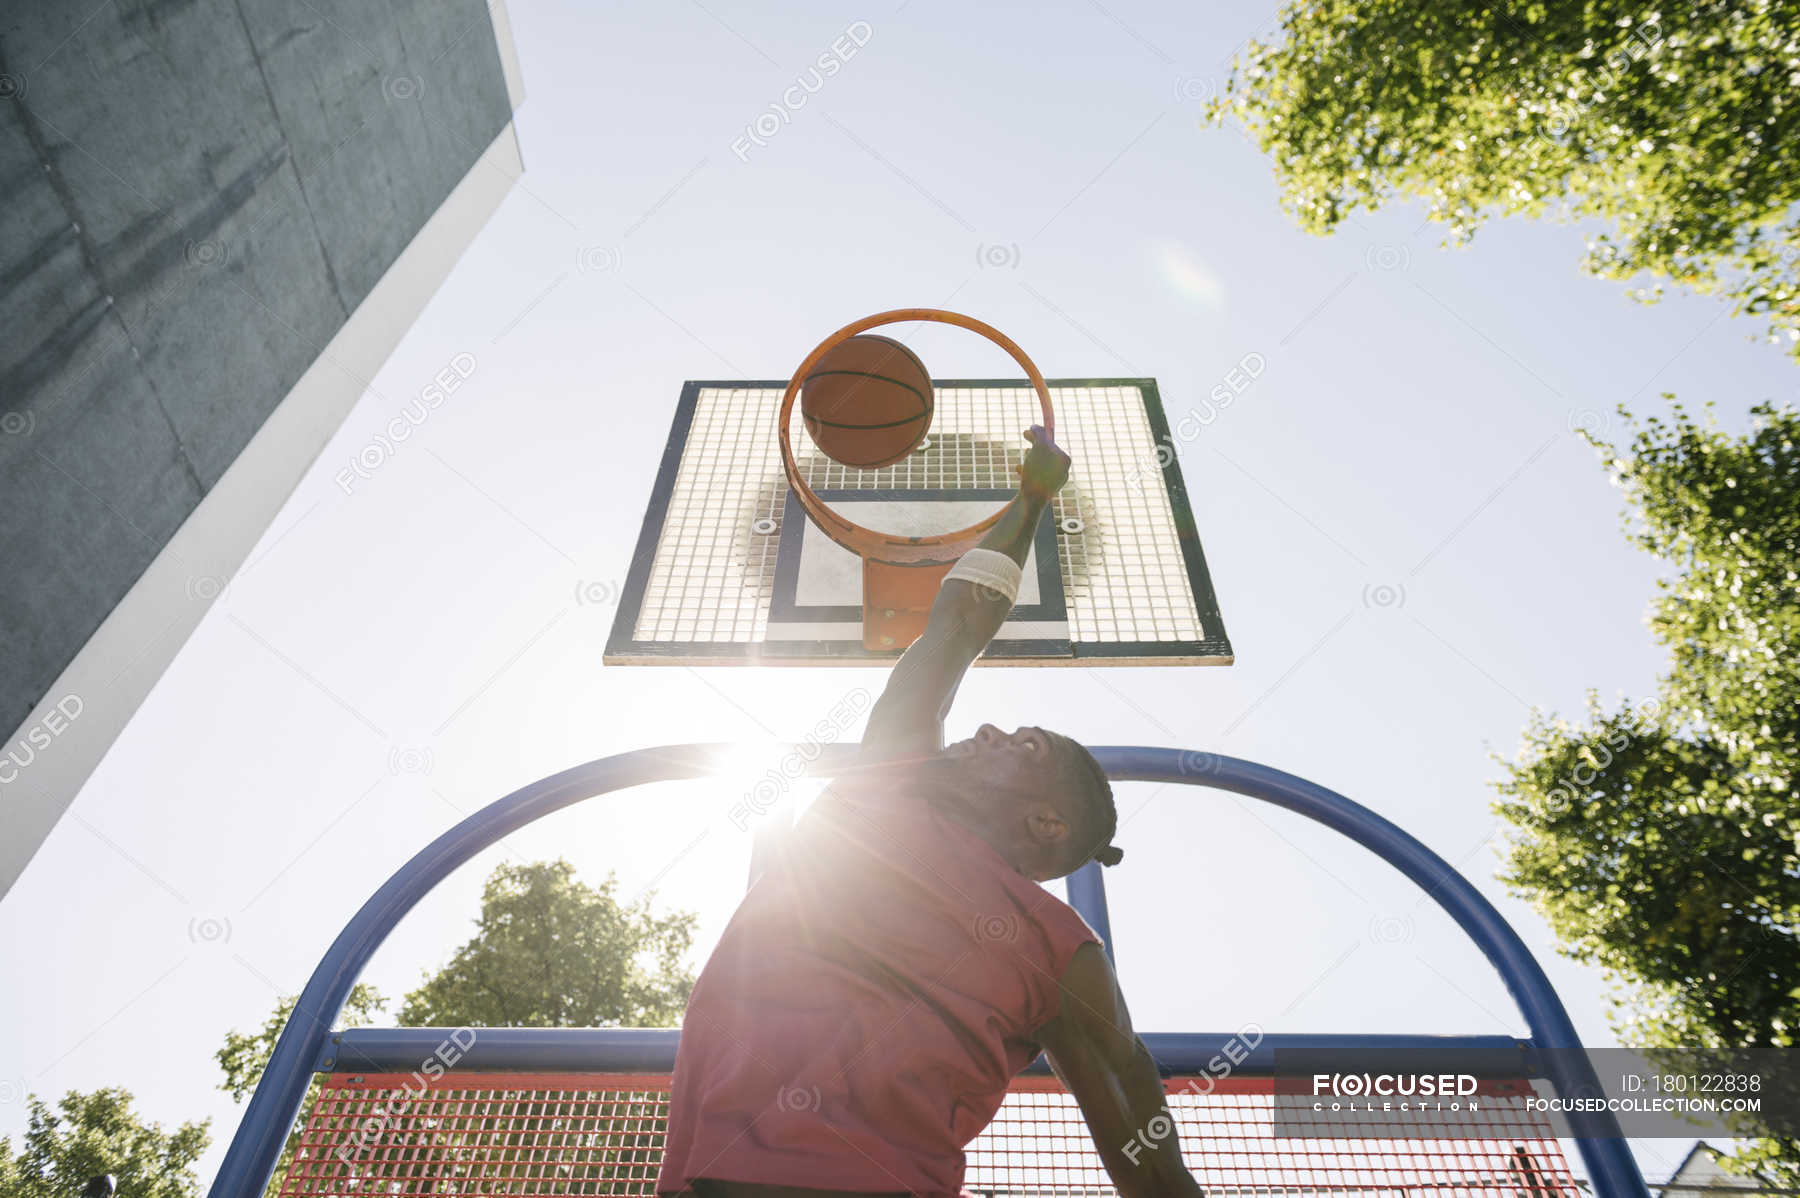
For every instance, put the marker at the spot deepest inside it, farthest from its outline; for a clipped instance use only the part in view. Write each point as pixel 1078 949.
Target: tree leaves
pixel 95 1133
pixel 1662 840
pixel 1675 127
pixel 550 951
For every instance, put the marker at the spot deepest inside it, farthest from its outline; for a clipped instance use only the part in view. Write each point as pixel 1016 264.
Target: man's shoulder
pixel 1062 927
pixel 864 800
pixel 887 770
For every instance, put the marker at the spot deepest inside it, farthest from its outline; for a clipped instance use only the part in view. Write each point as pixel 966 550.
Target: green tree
pixel 1662 841
pixel 548 951
pixel 91 1134
pixel 1671 127
pixel 551 951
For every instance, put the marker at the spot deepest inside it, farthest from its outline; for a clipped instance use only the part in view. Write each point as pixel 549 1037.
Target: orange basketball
pixel 868 402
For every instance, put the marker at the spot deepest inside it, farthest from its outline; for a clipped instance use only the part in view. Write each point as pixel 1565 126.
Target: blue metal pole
pixel 652 1050
pixel 305 1041
pixel 1611 1167
pixel 1087 894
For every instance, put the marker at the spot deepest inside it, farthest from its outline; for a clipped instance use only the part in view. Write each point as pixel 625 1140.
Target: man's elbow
pixel 966 614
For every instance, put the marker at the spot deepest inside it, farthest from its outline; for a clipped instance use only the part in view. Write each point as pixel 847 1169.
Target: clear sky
pixel 1411 546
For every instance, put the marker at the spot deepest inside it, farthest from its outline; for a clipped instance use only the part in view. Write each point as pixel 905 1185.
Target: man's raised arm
pixel 969 609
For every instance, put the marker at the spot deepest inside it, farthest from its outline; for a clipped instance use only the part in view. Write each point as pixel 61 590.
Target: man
pixel 897 963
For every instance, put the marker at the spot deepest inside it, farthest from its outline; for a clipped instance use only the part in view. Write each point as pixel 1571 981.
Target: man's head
pixel 1037 797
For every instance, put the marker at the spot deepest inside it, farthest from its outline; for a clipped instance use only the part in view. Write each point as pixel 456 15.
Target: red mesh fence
pixel 591 1133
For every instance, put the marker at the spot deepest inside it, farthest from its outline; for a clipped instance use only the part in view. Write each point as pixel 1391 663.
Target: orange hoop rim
pixel 896 548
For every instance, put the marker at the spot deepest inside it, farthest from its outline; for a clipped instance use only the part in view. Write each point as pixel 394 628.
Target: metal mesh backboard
pixel 602 1134
pixel 728 569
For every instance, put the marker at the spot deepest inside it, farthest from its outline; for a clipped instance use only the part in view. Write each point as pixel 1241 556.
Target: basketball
pixel 868 402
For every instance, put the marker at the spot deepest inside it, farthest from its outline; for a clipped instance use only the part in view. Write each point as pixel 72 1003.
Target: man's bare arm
pixel 909 716
pixel 1114 1079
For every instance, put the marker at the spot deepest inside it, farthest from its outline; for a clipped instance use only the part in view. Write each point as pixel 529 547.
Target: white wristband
pixel 991 569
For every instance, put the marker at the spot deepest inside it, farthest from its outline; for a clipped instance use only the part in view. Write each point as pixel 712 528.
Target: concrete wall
pixel 201 196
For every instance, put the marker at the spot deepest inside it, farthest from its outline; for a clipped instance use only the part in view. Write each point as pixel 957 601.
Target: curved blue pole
pixel 1611 1167
pixel 276 1101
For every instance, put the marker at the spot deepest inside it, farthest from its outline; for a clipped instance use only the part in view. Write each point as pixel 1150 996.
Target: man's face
pixel 992 745
pixel 1020 770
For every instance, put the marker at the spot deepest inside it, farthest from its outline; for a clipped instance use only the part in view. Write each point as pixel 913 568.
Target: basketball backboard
pixel 730 571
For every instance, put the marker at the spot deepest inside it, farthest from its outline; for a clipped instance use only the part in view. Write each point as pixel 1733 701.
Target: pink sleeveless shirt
pixel 868 1004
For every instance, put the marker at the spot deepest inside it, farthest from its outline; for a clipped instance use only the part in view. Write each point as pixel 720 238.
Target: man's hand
pixel 1046 467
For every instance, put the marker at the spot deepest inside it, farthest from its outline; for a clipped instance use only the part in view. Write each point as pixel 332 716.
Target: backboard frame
pixel 624 648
